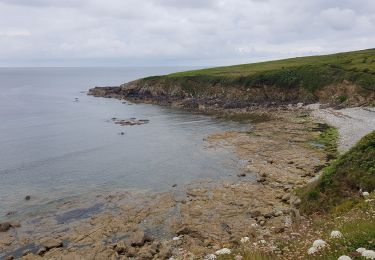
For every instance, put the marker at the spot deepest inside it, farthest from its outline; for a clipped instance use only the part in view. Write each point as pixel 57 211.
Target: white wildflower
pixel 176 238
pixel 336 234
pixel 319 244
pixel 245 240
pixel 360 250
pixel 210 257
pixel 344 257
pixel 365 194
pixel 262 242
pixel 368 254
pixel 312 250
pixel 223 251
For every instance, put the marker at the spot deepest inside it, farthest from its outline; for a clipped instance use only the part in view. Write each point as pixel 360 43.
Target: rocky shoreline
pixel 256 212
pixel 204 217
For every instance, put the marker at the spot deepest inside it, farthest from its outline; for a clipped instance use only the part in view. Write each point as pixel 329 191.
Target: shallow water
pixel 53 147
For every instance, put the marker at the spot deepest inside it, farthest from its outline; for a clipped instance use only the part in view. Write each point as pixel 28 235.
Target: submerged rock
pixel 131 121
pixel 5 226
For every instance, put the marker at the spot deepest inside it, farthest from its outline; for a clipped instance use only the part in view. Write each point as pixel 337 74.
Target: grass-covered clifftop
pixel 341 181
pixel 345 79
pixel 311 72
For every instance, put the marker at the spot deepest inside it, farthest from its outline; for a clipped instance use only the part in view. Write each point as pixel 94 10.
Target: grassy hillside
pixel 341 181
pixel 345 79
pixel 309 72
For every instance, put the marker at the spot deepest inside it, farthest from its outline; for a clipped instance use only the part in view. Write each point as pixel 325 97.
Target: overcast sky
pixel 178 32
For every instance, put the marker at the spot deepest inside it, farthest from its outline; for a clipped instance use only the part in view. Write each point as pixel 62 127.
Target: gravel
pixel 352 123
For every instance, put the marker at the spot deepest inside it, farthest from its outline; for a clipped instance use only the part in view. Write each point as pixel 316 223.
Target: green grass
pixel 310 73
pixel 341 180
pixel 328 138
pixel 356 223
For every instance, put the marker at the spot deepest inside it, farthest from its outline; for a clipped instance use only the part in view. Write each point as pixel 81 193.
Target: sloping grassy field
pixel 341 181
pixel 310 73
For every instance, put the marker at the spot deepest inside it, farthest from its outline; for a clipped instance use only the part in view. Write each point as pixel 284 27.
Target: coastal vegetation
pixel 308 74
pixel 342 180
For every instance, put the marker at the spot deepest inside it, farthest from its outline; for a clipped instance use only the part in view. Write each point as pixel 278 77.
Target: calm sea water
pixel 52 147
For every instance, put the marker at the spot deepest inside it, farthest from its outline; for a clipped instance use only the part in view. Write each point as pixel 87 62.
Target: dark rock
pixel 41 251
pixel 15 224
pixel 279 230
pixel 268 215
pixel 9 257
pixel 184 231
pixel 261 179
pixel 226 228
pixel 10 213
pixel 26 252
pixel 120 247
pixel 241 174
pixel 255 214
pixel 122 133
pixel 28 197
pixel 174 185
pixel 5 226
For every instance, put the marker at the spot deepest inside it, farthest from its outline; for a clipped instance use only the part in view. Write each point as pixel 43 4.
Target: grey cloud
pixel 167 32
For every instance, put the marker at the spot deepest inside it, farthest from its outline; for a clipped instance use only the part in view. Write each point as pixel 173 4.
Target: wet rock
pixel 50 243
pixel 139 238
pixel 15 224
pixel 130 122
pixel 26 252
pixel 41 251
pixel 11 213
pixel 5 226
pixel 28 197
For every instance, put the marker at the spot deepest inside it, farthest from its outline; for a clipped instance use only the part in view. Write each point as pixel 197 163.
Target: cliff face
pixel 193 94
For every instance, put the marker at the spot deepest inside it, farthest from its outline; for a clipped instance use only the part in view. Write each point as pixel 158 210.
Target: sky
pixel 178 32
